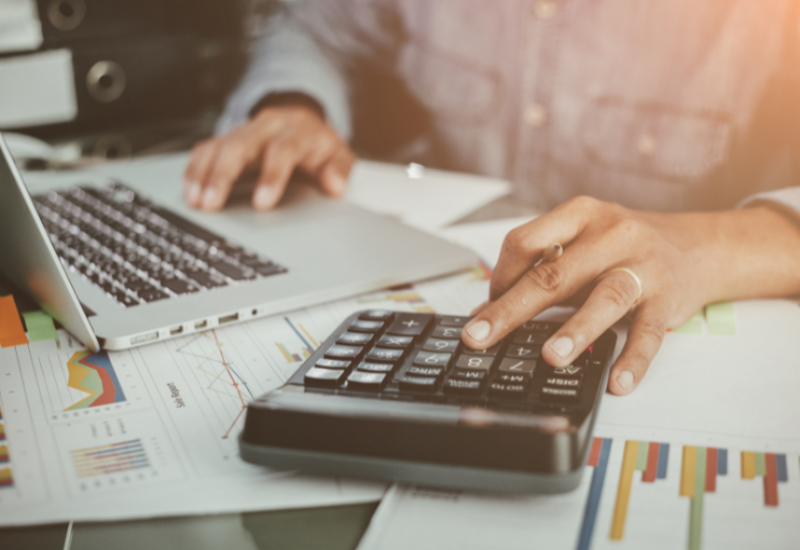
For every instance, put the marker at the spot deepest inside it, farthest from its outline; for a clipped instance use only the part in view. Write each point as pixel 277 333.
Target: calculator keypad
pixel 421 356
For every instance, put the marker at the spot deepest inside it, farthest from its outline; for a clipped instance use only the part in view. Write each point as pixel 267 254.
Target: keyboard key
pixel 354 338
pixel 453 333
pixel 178 286
pixel 470 374
pixel 474 362
pixel 265 269
pixel 500 390
pixel 204 278
pixel 359 380
pixel 443 346
pixel 343 352
pixel 332 364
pixel 433 372
pixel 450 321
pixel 376 315
pixel 558 394
pixel 384 355
pixel 531 338
pixel 455 386
pixel 152 295
pixel 428 359
pixel 327 378
pixel 506 378
pixel 489 351
pixel 563 382
pixel 410 324
pixel 229 270
pixel 376 367
pixel 418 384
pixel 515 366
pixel 366 326
pixel 398 342
pixel 124 299
pixel 524 352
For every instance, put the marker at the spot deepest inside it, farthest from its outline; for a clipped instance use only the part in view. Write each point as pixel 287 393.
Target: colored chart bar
pixel 772 469
pixel 692 326
pixel 663 457
pixel 40 326
pixel 11 331
pixel 598 458
pixel 711 470
pixel 2 433
pixel 722 462
pixel 638 456
pixel 748 465
pixel 721 319
pixel 699 470
pixel 780 464
pixel 109 459
pixel 650 473
pixel 6 478
pixel 4 458
pixel 770 480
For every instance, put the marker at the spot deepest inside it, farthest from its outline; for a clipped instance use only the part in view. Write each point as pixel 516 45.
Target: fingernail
pixel 193 191
pixel 480 330
pixel 625 379
pixel 210 198
pixel 263 197
pixel 563 346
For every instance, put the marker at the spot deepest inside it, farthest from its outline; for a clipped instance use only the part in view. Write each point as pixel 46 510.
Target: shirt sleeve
pixel 787 200
pixel 313 47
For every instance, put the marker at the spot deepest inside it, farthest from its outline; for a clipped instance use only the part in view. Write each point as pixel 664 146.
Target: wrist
pixel 289 99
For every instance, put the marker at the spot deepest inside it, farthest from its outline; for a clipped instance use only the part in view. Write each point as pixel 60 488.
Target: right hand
pixel 278 139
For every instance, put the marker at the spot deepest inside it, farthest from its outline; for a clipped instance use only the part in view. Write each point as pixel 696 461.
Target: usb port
pixel 201 324
pixel 144 338
pixel 176 330
pixel 229 318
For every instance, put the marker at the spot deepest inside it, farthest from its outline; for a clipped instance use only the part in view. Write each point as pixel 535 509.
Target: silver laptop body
pixel 321 250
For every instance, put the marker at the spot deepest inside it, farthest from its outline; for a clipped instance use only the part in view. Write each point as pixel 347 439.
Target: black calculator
pixel 398 396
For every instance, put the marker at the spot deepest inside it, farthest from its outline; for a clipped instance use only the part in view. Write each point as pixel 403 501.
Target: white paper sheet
pixel 484 238
pixel 37 89
pixel 175 420
pixel 736 393
pixel 431 201
pixel 20 29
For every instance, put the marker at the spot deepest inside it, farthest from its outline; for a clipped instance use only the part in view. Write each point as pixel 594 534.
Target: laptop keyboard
pixel 138 252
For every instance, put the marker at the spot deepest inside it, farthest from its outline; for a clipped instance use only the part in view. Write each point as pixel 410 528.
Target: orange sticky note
pixel 11 331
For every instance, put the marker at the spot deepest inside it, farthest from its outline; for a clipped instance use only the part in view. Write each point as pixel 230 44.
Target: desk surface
pixel 332 528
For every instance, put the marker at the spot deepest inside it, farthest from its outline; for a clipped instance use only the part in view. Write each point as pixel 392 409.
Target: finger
pixel 480 308
pixel 202 157
pixel 610 300
pixel 524 245
pixel 279 161
pixel 644 340
pixel 238 151
pixel 329 160
pixel 537 289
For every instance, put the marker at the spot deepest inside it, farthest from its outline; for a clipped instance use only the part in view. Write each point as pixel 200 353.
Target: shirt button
pixel 646 145
pixel 544 9
pixel 535 115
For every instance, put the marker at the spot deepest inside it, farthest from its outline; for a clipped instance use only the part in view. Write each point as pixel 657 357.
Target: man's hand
pixel 683 260
pixel 278 140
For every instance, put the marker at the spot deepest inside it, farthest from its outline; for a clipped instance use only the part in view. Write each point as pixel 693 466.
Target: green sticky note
pixel 40 326
pixel 721 319
pixel 693 325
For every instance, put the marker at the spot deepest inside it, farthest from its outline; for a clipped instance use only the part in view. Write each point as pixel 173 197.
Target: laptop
pixel 121 264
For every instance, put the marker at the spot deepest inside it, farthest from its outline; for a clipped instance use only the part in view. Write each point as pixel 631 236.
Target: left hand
pixel 683 260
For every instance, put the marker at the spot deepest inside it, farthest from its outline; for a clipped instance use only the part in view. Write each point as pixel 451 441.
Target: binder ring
pixel 66 15
pixel 106 81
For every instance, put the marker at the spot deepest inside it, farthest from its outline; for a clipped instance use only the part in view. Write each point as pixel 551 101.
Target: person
pixel 663 135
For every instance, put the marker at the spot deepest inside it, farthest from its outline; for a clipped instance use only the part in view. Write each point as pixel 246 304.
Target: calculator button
pixel 563 382
pixel 517 366
pixel 332 364
pixel 453 333
pixel 390 341
pixel 410 324
pixel 558 394
pixel 343 352
pixel 570 370
pixel 456 386
pixel 454 321
pixel 355 338
pixel 474 362
pixel 428 359
pixel 505 378
pixel 385 355
pixel 507 391
pixel 375 367
pixel 359 380
pixel 539 326
pixel 489 351
pixel 366 326
pixel 323 377
pixel 523 352
pixel 433 372
pixel 470 374
pixel 531 338
pixel 376 315
pixel 444 346
pixel 418 384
